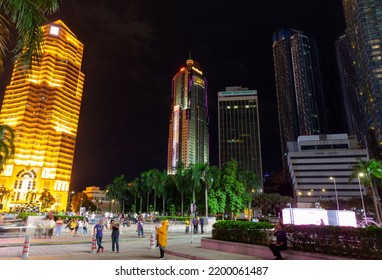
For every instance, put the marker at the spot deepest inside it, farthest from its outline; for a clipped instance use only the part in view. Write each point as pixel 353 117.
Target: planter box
pixel 262 252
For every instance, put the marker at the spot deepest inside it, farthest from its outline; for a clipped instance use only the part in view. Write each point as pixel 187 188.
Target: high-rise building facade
pixel 239 129
pixel 188 134
pixel 355 114
pixel 321 167
pixel 364 29
pixel 43 108
pixel 300 98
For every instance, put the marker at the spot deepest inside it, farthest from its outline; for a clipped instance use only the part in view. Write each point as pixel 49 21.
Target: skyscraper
pixel 43 108
pixel 239 129
pixel 298 86
pixel 355 114
pixel 364 29
pixel 188 133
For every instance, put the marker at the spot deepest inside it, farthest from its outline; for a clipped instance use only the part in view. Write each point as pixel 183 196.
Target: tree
pixel 137 189
pixel 194 175
pixel 7 148
pixel 235 190
pixel 180 178
pixel 82 200
pixel 372 171
pixel 163 185
pixel 26 17
pixel 5 195
pixel 211 176
pixel 118 190
pixel 251 183
pixel 269 202
pixel 46 199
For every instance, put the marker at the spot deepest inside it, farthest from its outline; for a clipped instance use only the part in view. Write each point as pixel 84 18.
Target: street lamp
pixel 81 204
pixel 360 190
pixel 69 199
pixel 335 190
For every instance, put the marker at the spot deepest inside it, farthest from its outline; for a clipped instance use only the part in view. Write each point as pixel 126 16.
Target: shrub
pixel 259 233
pixel 24 215
pixel 355 243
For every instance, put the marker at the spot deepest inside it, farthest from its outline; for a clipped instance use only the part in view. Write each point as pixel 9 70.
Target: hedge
pixel 354 243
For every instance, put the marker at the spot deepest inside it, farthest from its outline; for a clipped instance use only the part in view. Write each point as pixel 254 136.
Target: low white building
pixel 321 165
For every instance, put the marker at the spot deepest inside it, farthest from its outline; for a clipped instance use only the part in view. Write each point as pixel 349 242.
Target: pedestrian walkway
pixel 180 246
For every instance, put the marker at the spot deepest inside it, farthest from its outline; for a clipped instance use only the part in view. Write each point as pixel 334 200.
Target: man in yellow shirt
pixel 162 237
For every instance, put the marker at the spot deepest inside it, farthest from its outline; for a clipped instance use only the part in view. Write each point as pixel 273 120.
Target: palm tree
pixel 163 182
pixel 146 187
pixel 7 148
pixel 194 177
pixel 211 175
pixel 137 189
pixel 26 17
pixel 180 182
pixel 372 170
pixel 118 190
pixel 5 195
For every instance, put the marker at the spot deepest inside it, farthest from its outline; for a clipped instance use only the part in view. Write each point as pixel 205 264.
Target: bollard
pixel 94 247
pixel 152 241
pixel 25 252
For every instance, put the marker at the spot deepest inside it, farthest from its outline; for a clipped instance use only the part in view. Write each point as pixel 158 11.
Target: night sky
pixel 134 48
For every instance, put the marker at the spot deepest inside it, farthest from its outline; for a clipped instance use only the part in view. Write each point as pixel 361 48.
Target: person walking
pixel 98 232
pixel 114 236
pixel 162 237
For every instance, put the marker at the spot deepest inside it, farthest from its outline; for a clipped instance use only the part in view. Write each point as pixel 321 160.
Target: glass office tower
pixel 300 98
pixel 239 129
pixel 364 30
pixel 188 134
pixel 43 108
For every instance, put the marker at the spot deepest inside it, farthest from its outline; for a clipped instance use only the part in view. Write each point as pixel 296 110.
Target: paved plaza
pixel 181 246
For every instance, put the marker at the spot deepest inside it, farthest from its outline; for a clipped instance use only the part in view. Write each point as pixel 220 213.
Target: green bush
pixel 359 243
pixel 355 243
pixel 259 233
pixel 24 215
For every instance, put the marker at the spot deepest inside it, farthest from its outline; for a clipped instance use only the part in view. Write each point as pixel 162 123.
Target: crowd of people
pixel 97 226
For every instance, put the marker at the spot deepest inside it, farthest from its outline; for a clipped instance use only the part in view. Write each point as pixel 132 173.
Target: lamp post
pixel 335 190
pixel 360 190
pixel 81 205
pixel 69 199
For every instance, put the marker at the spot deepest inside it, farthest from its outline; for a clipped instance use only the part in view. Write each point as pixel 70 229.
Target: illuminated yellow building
pixel 43 108
pixel 188 132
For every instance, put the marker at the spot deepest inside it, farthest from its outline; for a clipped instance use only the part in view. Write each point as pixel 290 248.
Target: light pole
pixel 360 190
pixel 69 200
pixel 81 205
pixel 335 190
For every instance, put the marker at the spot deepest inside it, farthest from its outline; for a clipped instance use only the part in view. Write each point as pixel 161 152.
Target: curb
pixel 185 256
